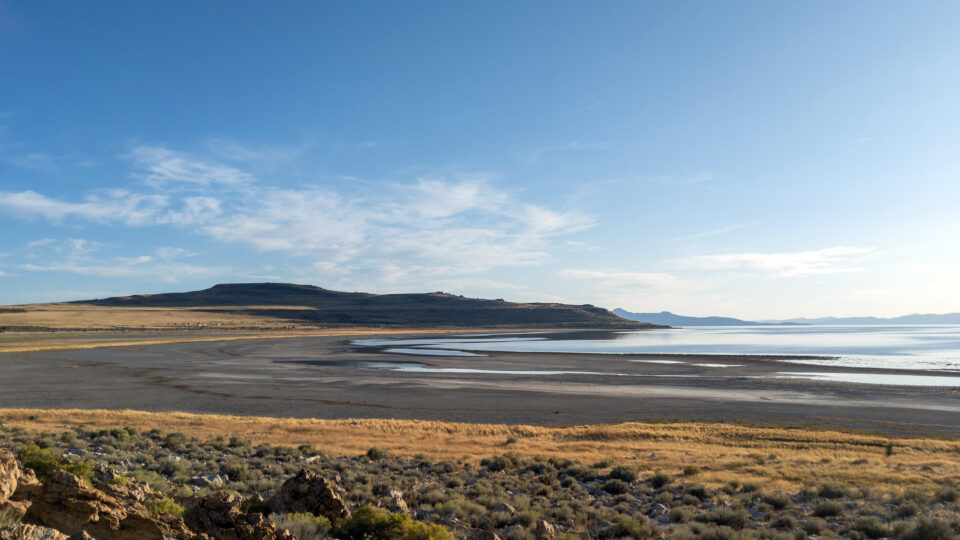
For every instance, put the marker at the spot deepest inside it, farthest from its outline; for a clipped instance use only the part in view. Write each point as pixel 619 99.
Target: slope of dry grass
pixel 781 458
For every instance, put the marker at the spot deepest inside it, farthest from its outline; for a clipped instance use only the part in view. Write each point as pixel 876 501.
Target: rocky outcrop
pixel 25 531
pixel 10 473
pixel 219 516
pixel 67 504
pixel 309 492
pixel 63 504
pixel 545 530
pixel 397 504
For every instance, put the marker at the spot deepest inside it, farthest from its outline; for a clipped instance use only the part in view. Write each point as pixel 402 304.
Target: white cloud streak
pixel 831 260
pixel 160 166
pixel 438 226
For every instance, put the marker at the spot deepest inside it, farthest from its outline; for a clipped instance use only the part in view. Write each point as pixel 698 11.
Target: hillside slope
pixel 672 319
pixel 310 304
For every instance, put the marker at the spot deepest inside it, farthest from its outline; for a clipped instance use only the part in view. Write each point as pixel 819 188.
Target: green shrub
pixel 376 453
pixel 872 527
pixel 369 523
pixel 828 509
pixel 659 479
pixel 930 529
pixel 164 506
pixel 785 521
pixel 680 514
pixel 778 501
pixel 42 460
pixel 303 525
pixel 624 472
pixel 615 487
pixel 750 487
pixel 119 481
pixel 832 490
pixel 815 525
pixel 629 527
pixel 691 470
pixel 907 509
pixel 736 518
pixel 948 494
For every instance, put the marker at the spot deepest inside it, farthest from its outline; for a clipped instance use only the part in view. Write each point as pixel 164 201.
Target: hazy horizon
pixel 745 159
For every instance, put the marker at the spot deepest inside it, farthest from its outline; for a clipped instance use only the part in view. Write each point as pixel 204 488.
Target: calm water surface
pixel 927 347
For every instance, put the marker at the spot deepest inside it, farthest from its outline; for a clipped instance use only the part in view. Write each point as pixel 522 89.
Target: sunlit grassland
pixel 778 457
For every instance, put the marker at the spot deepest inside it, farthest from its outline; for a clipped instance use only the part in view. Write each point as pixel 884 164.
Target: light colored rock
pixel 397 504
pixel 545 531
pixel 10 473
pixel 31 532
pixel 209 480
pixel 506 508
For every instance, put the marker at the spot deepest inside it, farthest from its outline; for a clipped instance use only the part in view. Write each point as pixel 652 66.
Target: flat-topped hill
pixel 316 305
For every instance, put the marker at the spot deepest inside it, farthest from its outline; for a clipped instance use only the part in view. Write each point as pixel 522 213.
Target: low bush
pixel 691 470
pixel 624 472
pixel 872 527
pixel 778 501
pixel 729 516
pixel 659 479
pixel 303 525
pixel 815 526
pixel 828 509
pixel 165 505
pixel 615 487
pixel 376 523
pixel 377 453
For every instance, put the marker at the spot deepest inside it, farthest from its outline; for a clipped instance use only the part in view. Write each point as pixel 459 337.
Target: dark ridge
pixel 346 308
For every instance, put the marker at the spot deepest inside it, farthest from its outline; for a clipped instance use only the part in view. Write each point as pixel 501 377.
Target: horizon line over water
pixel 917 347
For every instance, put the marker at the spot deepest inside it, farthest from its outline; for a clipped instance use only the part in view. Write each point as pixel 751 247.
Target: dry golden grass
pixel 82 326
pixel 723 452
pixel 89 317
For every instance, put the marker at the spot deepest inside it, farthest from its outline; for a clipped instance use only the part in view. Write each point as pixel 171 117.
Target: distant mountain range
pixel 307 304
pixel 671 319
pixel 916 318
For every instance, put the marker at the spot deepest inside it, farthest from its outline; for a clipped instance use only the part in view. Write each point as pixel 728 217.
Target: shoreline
pixel 323 377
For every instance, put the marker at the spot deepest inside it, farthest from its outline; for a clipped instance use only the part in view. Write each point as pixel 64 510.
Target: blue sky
pixel 753 159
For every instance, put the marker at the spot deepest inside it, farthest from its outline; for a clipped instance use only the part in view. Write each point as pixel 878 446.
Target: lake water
pixel 927 347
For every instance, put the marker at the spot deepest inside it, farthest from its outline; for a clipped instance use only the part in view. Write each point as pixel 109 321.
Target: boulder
pixel 309 492
pixel 209 480
pixel 480 534
pixel 219 516
pixel 505 508
pixel 397 504
pixel 10 473
pixel 64 502
pixel 545 530
pixel 25 531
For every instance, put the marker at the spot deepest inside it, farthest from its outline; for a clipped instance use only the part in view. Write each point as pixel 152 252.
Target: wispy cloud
pixel 450 224
pixel 786 264
pixel 163 265
pixel 158 166
pixel 122 206
pixel 230 150
pixel 625 279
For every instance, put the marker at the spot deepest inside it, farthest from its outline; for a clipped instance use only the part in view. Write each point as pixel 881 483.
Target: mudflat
pixel 327 377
